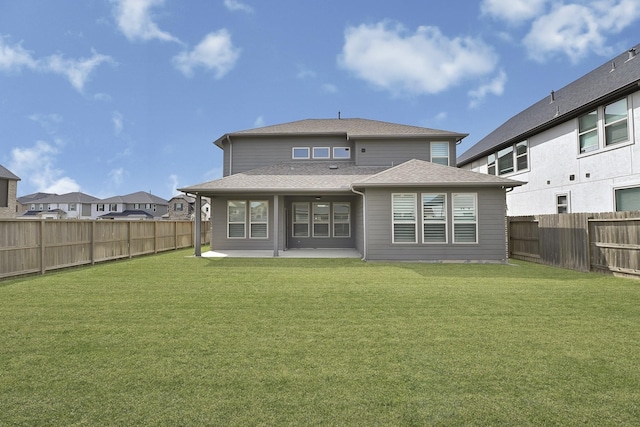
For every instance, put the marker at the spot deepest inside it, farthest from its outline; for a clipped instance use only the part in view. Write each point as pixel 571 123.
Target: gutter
pixel 364 223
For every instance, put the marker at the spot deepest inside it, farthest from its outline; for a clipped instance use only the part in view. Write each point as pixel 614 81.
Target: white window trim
pixel 514 154
pixel 568 196
pixel 453 218
pixel 600 128
pixel 314 222
pixel 293 151
pixel 328 156
pixel 440 157
pixel 615 199
pixel 348 221
pixel 294 222
pixel 348 149
pixel 251 222
pixel 445 222
pixel 244 222
pixel 415 220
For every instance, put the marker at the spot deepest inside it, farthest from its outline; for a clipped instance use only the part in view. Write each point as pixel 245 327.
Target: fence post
pixel 130 238
pixel 93 242
pixel 43 266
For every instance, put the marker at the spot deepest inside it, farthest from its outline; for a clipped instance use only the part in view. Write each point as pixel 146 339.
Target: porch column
pixel 276 224
pixel 197 238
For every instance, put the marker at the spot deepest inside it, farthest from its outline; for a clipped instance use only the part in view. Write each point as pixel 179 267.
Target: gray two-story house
pixel 390 191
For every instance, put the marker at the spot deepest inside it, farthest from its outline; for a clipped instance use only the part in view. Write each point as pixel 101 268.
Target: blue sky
pixel 110 97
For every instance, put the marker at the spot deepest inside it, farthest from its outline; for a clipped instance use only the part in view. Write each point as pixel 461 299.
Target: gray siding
pixel 394 152
pixel 251 153
pixel 491 244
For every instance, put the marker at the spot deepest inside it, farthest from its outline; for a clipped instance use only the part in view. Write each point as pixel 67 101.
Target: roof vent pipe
pixel 632 53
pixel 613 67
pixel 553 96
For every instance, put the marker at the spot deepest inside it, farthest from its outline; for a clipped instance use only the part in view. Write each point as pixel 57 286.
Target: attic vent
pixel 333 166
pixel 632 53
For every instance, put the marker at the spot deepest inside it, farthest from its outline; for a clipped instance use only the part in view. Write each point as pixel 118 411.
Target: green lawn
pixel 171 340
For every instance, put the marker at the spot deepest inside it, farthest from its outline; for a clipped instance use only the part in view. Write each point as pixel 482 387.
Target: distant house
pixel 30 203
pixel 8 191
pixel 390 191
pixel 182 207
pixel 139 205
pixel 577 148
pixel 75 205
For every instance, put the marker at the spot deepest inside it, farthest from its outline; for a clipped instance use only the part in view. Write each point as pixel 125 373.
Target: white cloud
pixel 37 166
pixel 214 53
pixel 14 58
pixel 441 116
pixel 329 88
pixel 135 20
pixel 49 122
pixel 259 122
pixel 173 184
pixel 513 11
pixel 118 122
pixel 426 62
pixel 234 5
pixel 494 87
pixel 117 176
pixel 304 72
pixel 76 70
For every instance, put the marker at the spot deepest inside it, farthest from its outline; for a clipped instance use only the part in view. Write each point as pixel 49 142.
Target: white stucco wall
pixel 554 156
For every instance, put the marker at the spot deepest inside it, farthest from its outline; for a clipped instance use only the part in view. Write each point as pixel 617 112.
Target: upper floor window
pixel 300 152
pixel 612 121
pixel 178 207
pixel 100 207
pixel 113 207
pixel 321 152
pixel 4 193
pixel 72 207
pixel 440 153
pixel 341 153
pixel 514 158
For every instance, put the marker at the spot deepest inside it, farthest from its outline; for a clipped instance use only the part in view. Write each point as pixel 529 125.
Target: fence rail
pixel 28 247
pixel 607 242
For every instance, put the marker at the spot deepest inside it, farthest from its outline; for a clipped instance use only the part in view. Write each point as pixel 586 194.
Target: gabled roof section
pixel 351 128
pixel 32 198
pixel 289 177
pixel 74 197
pixel 419 173
pixel 137 197
pixel 7 174
pixel 616 78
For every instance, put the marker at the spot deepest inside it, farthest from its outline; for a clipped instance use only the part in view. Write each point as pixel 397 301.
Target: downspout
pixel 230 156
pixel 364 223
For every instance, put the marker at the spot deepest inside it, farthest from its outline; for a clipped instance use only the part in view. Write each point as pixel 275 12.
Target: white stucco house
pixel 578 149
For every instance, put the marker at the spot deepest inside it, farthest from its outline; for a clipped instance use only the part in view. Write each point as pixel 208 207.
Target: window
pixel 300 220
pixel 73 207
pixel 434 218
pixel 465 218
pixel 514 158
pixel 300 152
pixel 236 218
pixel 341 220
pixel 562 203
pixel 100 207
pixel 341 153
pixel 321 219
pixel 440 153
pixel 615 122
pixel 628 199
pixel 404 218
pixel 611 121
pixel 259 220
pixel 113 207
pixel 136 206
pixel 588 132
pixel 320 152
pixel 178 207
pixel 4 193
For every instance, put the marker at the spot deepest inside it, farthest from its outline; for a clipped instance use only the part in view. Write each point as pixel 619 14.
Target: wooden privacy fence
pixel 28 247
pixel 582 241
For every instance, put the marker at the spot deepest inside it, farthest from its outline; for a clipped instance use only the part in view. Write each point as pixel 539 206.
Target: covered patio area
pixel 290 253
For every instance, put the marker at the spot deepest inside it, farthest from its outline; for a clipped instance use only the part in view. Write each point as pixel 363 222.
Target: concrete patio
pixel 290 253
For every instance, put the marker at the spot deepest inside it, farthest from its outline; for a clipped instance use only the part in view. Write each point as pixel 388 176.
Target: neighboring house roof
pixel 31 198
pixel 74 197
pixel 419 173
pixel 7 174
pixel 127 214
pixel 351 128
pixel 328 177
pixel 616 78
pixel 184 197
pixel 137 197
pixel 289 177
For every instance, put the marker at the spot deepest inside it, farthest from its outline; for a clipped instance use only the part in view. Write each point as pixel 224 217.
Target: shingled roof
pixel 616 78
pixel 351 128
pixel 7 174
pixel 419 173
